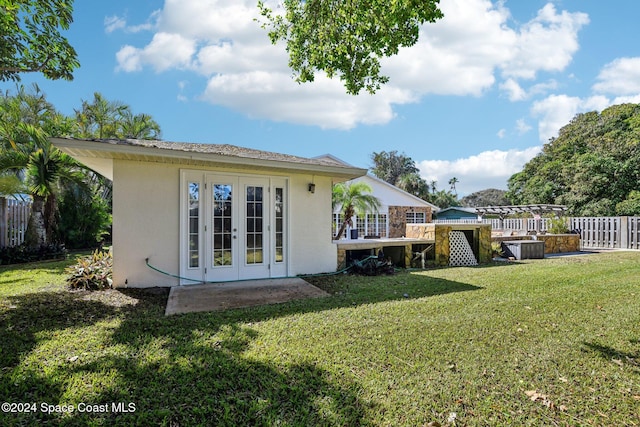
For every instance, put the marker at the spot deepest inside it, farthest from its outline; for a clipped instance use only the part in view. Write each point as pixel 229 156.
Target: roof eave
pixel 84 149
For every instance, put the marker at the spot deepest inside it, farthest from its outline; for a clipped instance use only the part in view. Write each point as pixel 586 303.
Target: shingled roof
pixel 198 154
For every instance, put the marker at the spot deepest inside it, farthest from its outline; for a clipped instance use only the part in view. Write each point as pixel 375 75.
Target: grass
pixel 540 342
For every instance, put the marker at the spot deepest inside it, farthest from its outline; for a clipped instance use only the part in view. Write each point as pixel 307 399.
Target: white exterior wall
pixel 146 222
pixel 312 250
pixel 389 195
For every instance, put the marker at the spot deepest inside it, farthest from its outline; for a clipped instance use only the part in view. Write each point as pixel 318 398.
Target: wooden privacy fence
pixel 14 217
pixel 622 232
pixel 616 232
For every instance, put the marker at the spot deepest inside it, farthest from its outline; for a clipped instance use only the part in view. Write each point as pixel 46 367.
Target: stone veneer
pixel 398 218
pixel 440 234
pixel 553 243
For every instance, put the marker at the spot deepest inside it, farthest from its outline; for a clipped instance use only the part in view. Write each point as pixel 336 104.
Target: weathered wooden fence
pixel 14 217
pixel 622 232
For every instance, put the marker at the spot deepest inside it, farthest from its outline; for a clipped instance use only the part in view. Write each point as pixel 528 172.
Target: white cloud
pixel 114 23
pixel 514 90
pixel 556 111
pixel 547 43
pixel 522 126
pixel 165 51
pixel 501 133
pixel 620 77
pixel 459 55
pixel 489 169
pixel 257 93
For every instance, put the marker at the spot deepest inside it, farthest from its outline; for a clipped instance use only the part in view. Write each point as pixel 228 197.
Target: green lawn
pixel 540 342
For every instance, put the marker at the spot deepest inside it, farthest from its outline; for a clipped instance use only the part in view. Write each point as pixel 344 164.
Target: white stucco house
pixel 397 208
pixel 211 213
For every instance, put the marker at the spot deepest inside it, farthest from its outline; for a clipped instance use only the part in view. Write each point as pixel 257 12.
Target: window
pixel 416 217
pixel 254 215
pixel 222 224
pixel 279 215
pixel 194 224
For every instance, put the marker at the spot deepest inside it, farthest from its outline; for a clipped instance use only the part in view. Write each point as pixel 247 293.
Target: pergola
pixel 536 209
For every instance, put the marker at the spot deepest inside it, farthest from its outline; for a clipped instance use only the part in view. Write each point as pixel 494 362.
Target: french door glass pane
pixel 253 232
pixel 194 221
pixel 221 229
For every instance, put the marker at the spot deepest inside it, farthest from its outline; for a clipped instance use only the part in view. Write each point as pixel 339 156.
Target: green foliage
pixel 488 197
pixel 25 253
pixel 346 38
pixel 558 225
pixel 391 166
pixel 592 166
pixel 32 39
pixel 630 206
pixel 84 218
pixel 496 248
pixel 92 272
pixel 102 118
pixel 400 170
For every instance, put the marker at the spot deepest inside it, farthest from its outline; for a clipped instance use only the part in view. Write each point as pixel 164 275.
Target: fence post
pixel 624 232
pixel 4 217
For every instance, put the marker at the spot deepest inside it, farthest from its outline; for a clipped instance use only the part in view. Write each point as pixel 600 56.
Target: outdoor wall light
pixel 312 188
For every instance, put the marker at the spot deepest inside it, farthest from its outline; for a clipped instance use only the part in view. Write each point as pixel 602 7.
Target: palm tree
pixel 353 198
pixel 452 183
pixel 100 118
pixel 139 126
pixel 44 170
pixel 27 156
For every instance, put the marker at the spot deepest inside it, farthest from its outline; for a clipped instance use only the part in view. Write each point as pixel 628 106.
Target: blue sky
pixel 476 98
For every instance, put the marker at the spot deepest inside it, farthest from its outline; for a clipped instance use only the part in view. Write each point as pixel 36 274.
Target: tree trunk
pixel 36 234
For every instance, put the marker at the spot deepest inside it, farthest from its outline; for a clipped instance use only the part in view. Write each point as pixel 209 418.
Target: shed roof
pixel 99 154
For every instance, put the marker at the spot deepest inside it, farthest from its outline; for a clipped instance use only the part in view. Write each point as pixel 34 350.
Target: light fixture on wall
pixel 312 188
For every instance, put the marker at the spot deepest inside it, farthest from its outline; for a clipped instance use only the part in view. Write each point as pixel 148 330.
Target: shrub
pixel 558 225
pixel 92 272
pixel 23 253
pixel 84 219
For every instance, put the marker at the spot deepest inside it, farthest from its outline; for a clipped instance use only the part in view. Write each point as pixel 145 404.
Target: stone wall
pixel 553 243
pixel 439 233
pixel 398 218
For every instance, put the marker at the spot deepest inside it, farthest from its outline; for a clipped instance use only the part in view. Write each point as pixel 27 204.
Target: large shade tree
pixel 32 39
pixel 593 166
pixel 346 38
pixel 353 198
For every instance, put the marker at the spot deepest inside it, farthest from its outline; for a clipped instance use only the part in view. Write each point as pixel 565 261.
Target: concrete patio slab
pixel 223 296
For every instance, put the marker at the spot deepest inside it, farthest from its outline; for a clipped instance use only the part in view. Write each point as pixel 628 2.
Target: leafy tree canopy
pixel 391 166
pixel 347 38
pixel 488 197
pixel 592 166
pixel 32 39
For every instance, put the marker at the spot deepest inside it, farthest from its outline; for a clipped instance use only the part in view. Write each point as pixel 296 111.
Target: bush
pixel 23 253
pixel 558 225
pixel 92 272
pixel 84 219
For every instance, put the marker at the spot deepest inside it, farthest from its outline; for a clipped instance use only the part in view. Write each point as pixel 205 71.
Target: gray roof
pixel 96 154
pixel 219 149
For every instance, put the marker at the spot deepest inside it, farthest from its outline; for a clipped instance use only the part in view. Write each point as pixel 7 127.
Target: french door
pixel 242 231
